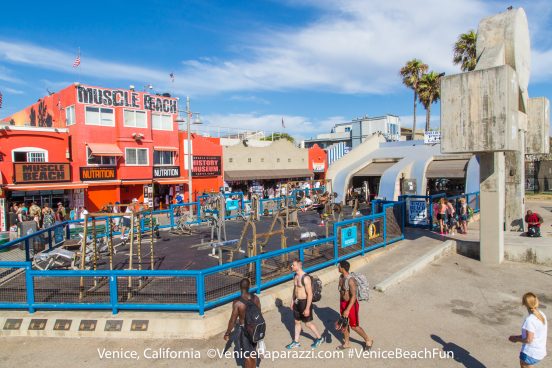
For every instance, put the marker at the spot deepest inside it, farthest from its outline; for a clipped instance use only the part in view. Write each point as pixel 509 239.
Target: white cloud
pixel 298 127
pixel 13 91
pixel 252 99
pixel 353 47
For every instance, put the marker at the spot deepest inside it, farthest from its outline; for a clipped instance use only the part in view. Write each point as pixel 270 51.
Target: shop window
pixel 135 119
pixel 163 158
pixel 249 159
pixel 136 156
pixel 99 116
pixel 230 159
pixel 289 159
pixel 30 155
pixel 277 160
pixel 262 159
pixel 70 115
pixel 161 122
pixel 100 160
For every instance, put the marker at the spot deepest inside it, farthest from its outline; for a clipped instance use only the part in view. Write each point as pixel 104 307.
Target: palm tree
pixel 429 90
pixel 411 73
pixel 464 51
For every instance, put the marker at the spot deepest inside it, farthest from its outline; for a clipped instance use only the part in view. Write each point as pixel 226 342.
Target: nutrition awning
pixel 171 181
pixel 233 175
pixel 447 169
pixel 35 187
pixel 165 148
pixel 374 169
pixel 104 149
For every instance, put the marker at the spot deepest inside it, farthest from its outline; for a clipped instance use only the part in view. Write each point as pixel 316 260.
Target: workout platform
pixel 188 252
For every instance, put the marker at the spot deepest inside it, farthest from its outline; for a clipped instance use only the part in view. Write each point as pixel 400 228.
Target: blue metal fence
pixel 112 288
pixel 420 209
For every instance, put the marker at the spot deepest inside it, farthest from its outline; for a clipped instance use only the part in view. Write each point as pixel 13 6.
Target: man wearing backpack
pixel 301 305
pixel 247 311
pixel 349 307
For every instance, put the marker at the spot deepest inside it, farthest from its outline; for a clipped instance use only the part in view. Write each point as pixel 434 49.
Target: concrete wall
pixel 281 154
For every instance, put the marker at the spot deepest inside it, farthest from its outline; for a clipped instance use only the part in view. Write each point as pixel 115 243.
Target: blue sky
pixel 247 64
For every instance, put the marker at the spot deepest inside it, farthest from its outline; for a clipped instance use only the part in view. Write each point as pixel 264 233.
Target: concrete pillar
pixel 515 188
pixel 492 207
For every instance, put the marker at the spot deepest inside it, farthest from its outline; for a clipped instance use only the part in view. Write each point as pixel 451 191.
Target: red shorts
pixel 353 313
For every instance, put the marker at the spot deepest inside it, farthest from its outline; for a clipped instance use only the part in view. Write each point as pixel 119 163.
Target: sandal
pixel 341 347
pixel 367 347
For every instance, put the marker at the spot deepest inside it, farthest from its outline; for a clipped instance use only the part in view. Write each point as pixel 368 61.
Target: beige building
pixel 246 161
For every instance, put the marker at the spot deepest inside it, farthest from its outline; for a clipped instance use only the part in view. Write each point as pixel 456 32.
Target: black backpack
pixel 316 287
pixel 254 323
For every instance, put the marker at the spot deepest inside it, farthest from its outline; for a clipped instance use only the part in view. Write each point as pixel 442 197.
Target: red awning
pixel 104 149
pixel 165 148
pixel 134 182
pixel 33 187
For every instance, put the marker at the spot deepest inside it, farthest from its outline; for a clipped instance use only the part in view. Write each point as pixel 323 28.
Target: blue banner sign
pixel 348 236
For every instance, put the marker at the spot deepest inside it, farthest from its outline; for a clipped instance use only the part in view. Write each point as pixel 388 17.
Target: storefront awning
pixel 35 187
pixel 136 182
pixel 233 175
pixel 104 149
pixel 447 169
pixel 374 169
pixel 165 148
pixel 171 181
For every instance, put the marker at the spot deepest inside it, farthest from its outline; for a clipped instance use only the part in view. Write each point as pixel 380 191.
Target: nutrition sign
pixel 97 173
pixel 206 166
pixel 41 172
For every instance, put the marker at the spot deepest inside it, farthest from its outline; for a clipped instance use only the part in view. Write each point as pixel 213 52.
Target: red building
pixel 318 162
pixel 207 170
pixel 115 142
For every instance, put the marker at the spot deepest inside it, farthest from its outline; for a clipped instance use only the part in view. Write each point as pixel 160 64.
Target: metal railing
pixel 22 287
pixel 420 209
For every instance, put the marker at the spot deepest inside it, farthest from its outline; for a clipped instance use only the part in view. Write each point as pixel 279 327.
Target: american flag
pixel 77 61
pixel 0 100
pixel 172 77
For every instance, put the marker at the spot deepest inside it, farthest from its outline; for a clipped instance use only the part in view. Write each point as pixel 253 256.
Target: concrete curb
pixel 446 248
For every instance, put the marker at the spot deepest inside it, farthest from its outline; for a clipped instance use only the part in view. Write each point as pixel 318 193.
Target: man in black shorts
pixel 247 348
pixel 301 305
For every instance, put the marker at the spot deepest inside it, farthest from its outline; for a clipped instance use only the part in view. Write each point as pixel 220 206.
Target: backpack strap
pixel 303 279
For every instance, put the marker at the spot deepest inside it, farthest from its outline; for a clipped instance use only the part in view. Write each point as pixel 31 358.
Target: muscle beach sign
pixel 126 98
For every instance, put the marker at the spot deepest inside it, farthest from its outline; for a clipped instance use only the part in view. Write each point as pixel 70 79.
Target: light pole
pixel 189 114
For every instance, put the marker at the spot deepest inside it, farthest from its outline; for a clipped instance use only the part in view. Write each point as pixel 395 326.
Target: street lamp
pixel 196 121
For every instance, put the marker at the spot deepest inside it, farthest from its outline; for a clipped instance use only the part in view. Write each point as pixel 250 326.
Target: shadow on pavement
pixel 461 355
pixel 466 248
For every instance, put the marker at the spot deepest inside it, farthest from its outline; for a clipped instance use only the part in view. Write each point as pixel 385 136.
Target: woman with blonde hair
pixel 533 333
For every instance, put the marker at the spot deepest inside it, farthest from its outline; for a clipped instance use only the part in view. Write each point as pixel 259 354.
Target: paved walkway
pixel 456 304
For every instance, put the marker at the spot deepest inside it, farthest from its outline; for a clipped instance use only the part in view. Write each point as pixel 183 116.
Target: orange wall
pixel 54 143
pixel 317 155
pixel 97 197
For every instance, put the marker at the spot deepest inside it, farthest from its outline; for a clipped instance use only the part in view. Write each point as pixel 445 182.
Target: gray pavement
pixel 456 304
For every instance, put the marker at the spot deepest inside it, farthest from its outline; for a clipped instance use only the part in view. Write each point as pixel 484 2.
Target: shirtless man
pixel 247 348
pixel 301 305
pixel 348 307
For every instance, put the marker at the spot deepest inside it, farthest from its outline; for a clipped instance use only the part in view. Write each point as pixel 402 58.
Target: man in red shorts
pixel 349 307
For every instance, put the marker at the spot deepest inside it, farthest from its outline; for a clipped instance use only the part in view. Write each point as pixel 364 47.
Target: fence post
pixel 49 238
pixel 171 215
pixel 113 294
pixel 27 250
pixel 29 281
pixel 336 235
pixel 384 226
pixel 201 293
pixel 430 213
pixel 68 230
pixel 362 235
pixel 258 274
